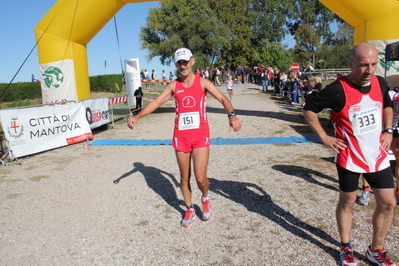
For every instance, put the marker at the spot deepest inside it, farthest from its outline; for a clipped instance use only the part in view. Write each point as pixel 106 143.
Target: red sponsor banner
pixel 80 138
pixel 155 80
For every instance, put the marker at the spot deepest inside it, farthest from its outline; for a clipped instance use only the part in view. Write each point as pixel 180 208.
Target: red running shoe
pixel 206 209
pixel 189 216
pixel 380 257
pixel 347 257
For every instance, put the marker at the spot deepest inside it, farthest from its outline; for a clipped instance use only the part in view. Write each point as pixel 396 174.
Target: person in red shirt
pixel 191 132
pixel 362 115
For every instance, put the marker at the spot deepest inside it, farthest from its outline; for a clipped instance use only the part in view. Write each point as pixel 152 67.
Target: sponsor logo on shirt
pixel 188 101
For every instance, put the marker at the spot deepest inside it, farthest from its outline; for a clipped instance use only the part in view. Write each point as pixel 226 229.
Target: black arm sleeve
pixel 332 96
pixel 385 92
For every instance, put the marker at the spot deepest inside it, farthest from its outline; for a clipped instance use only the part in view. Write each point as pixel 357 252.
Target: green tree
pixel 311 12
pixel 239 32
pixel 333 56
pixel 183 23
pixel 272 54
pixel 267 20
pixel 307 41
pixel 344 34
pixel 234 15
pixel 336 55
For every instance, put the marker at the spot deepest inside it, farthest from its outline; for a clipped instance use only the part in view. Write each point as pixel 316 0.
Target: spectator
pixel 139 98
pixel 318 86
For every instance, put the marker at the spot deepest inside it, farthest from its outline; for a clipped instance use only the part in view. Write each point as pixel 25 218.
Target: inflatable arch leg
pixel 62 35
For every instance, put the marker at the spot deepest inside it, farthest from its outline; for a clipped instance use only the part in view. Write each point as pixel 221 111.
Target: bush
pixel 105 83
pixel 31 90
pixel 20 91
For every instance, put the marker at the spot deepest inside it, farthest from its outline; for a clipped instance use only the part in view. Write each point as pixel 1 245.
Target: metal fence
pixel 119 108
pixel 328 74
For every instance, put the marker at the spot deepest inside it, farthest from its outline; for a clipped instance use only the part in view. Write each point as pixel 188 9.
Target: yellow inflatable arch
pixel 372 20
pixel 66 29
pixel 62 35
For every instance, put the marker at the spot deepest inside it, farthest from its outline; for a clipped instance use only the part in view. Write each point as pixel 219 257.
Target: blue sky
pixel 19 17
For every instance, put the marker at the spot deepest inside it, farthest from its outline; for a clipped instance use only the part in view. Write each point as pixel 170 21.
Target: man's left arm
pixel 234 122
pixel 386 138
pixel 387 122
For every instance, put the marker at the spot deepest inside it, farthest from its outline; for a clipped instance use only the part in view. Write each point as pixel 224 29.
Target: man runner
pixel 191 138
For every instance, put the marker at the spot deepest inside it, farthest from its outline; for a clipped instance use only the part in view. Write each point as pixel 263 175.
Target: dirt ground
pixel 273 204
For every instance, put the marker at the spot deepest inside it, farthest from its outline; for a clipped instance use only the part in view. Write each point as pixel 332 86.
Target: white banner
pixel 37 129
pixel 389 68
pixel 97 112
pixel 58 81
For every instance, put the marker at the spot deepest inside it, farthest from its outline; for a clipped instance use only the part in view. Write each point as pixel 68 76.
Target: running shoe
pixel 364 198
pixel 189 216
pixel 206 209
pixel 379 258
pixel 347 257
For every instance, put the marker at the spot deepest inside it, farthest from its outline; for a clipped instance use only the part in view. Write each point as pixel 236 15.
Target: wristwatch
pixel 231 114
pixel 388 130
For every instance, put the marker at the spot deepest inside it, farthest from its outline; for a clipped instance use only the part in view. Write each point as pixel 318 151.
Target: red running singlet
pixel 359 123
pixel 191 119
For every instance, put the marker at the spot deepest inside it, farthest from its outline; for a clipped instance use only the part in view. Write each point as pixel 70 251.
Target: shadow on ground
pixel 255 199
pixel 161 182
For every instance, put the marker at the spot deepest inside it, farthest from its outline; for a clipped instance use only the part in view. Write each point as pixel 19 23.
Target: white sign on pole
pixel 37 129
pixel 133 81
pixel 58 81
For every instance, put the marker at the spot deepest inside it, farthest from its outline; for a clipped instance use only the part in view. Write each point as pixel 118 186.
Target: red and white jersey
pixel 359 123
pixel 191 119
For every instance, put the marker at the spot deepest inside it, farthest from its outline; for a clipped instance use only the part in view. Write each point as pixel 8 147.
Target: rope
pixel 70 33
pixel 117 39
pixel 23 63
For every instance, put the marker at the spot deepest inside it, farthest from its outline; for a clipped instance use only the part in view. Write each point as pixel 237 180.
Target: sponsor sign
pixel 58 82
pixel 37 129
pixel 97 112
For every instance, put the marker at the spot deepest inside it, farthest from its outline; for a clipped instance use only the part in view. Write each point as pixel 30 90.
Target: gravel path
pixel 273 204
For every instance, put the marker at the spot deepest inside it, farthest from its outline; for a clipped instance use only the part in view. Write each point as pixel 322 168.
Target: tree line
pixel 247 32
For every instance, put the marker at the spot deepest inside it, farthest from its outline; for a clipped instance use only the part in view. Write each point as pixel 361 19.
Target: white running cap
pixel 183 54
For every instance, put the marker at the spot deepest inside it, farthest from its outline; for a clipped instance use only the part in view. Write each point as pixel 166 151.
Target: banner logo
pixel 394 51
pixel 15 130
pixel 53 77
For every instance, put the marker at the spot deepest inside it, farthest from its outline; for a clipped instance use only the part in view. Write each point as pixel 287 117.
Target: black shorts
pixel 348 180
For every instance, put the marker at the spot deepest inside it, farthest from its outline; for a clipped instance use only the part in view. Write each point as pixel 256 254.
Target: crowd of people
pixel 292 85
